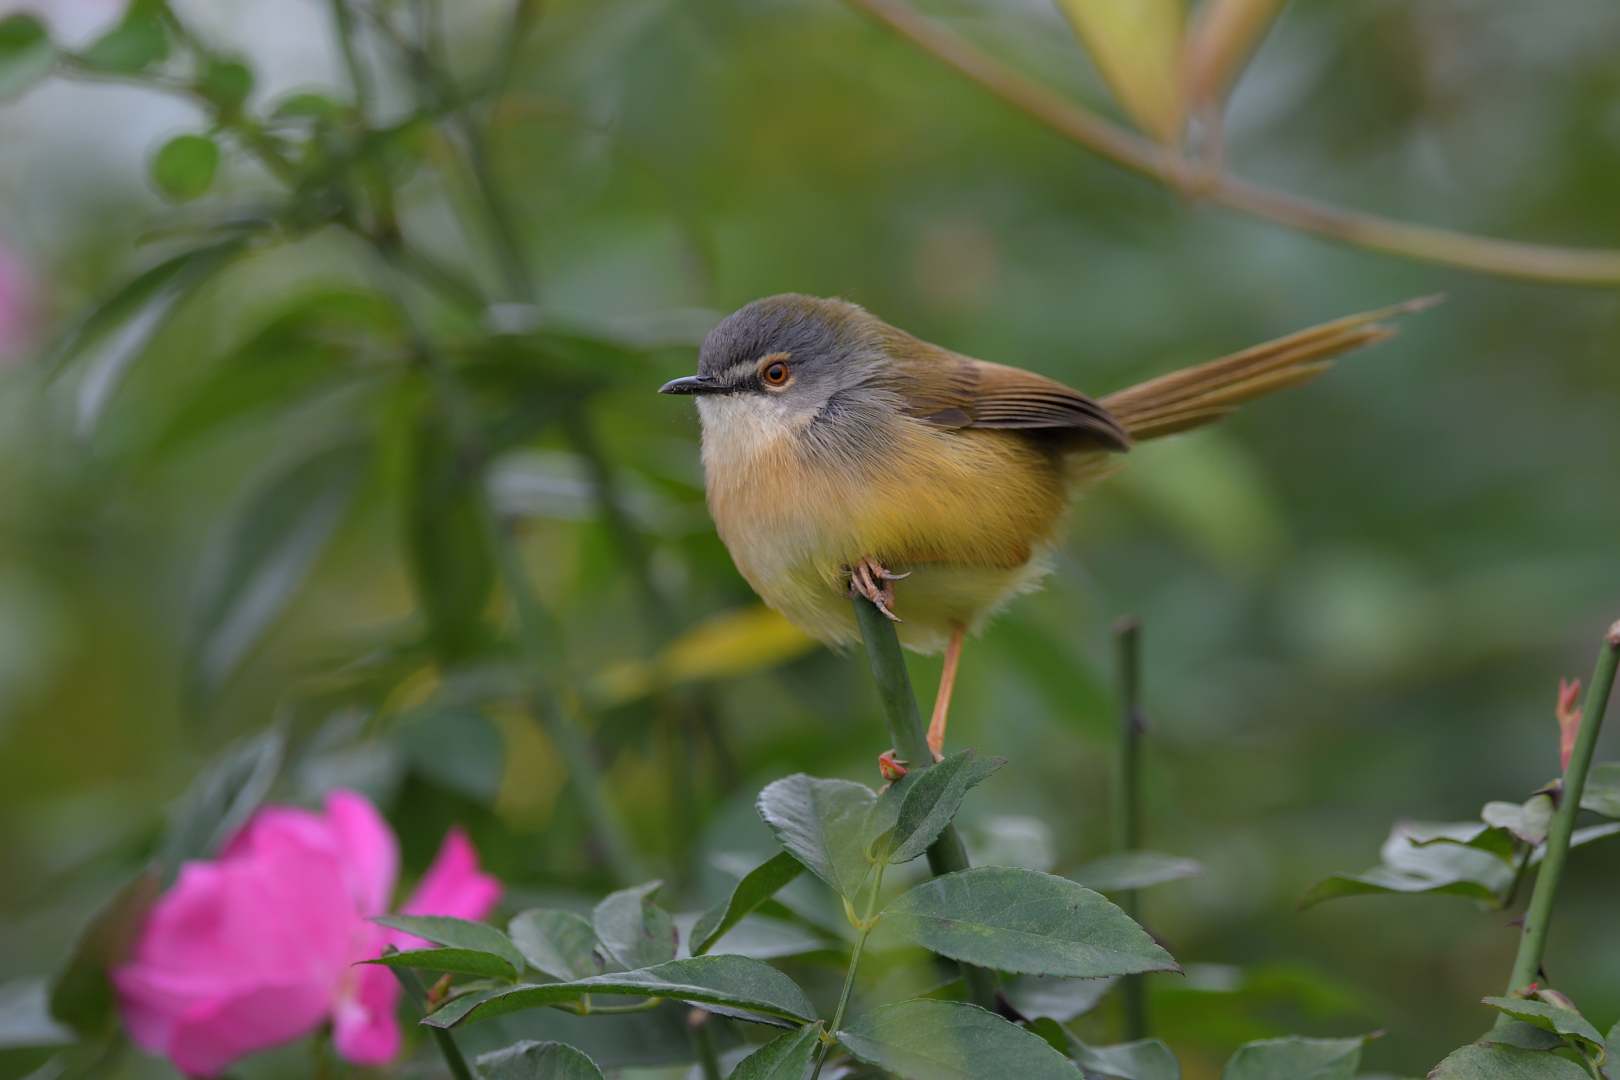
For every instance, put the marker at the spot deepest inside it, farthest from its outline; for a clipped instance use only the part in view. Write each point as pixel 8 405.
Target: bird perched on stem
pixel 843 456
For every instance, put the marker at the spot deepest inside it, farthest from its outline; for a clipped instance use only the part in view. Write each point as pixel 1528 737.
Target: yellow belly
pixel 968 514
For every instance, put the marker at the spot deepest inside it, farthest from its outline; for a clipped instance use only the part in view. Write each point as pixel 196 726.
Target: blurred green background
pixel 1358 597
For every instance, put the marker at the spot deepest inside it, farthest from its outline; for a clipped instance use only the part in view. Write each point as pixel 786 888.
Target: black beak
pixel 693 384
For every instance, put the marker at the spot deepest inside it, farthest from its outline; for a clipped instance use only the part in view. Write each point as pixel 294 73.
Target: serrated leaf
pixel 1145 1059
pixel 457 934
pixel 1494 1061
pixel 1059 999
pixel 821 823
pixel 786 1057
pixel 1602 792
pixel 1024 921
pixel 447 544
pixel 1137 47
pixel 184 167
pixel 1135 870
pixel 485 965
pixel 136 43
pixel 1296 1058
pixel 749 987
pixel 635 931
pixel 951 1040
pixel 80 994
pixel 559 943
pixel 531 1060
pixel 255 565
pixel 26 54
pixel 757 886
pixel 221 799
pixel 927 801
pixel 1565 1022
pixel 1412 863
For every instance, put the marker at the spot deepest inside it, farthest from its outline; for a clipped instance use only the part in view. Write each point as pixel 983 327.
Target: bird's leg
pixel 868 578
pixel 942 700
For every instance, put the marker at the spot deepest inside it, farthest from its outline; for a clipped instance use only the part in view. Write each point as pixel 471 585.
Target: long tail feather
pixel 1200 395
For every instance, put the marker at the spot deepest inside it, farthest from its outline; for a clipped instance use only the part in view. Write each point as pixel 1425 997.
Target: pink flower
pixel 260 946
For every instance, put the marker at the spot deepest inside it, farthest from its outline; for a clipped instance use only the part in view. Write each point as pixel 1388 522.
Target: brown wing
pixel 956 391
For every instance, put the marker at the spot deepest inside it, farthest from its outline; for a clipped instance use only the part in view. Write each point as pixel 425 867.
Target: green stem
pixel 1538 916
pixel 910 741
pixel 703 1042
pixel 1128 795
pixel 453 1060
pixel 868 921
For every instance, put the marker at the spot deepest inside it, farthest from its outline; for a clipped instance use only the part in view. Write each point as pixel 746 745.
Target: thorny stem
pixel 1538 916
pixel 946 855
pixel 1128 793
pixel 445 1041
pixel 868 921
pixel 1424 243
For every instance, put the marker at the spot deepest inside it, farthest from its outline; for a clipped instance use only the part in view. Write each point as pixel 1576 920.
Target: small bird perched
pixel 842 455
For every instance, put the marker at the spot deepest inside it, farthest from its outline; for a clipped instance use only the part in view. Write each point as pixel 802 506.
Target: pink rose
pixel 260 946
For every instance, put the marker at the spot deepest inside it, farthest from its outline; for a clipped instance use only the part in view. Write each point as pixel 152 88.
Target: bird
pixel 843 456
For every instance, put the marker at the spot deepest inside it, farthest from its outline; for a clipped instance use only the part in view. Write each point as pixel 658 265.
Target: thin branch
pixel 1505 258
pixel 1538 916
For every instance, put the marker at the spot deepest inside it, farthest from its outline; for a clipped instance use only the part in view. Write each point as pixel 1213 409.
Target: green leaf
pixel 531 1060
pixel 485 965
pixel 458 749
pixel 635 931
pixel 559 943
pixel 257 562
pixel 821 823
pixel 135 44
pixel 1145 1059
pixel 458 934
pixel 927 805
pixel 786 1057
pixel 1528 820
pixel 1566 1022
pixel 1137 47
pixel 117 331
pixel 1498 841
pixel 226 84
pixel 756 887
pixel 25 1017
pixel 1414 863
pixel 81 996
pixel 1060 999
pixel 184 167
pixel 1135 870
pixel 1024 921
pixel 221 799
pixel 733 982
pixel 925 1039
pixel 1602 792
pixel 26 54
pixel 1296 1058
pixel 447 544
pixel 1494 1061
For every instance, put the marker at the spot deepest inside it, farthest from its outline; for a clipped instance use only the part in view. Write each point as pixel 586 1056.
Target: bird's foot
pixel 890 767
pixel 870 579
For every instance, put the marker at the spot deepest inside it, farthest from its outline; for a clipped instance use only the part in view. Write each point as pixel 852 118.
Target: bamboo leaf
pixel 1024 921
pixel 1136 44
pixel 1223 37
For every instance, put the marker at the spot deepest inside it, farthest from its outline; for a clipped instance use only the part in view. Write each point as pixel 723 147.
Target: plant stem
pixel 867 922
pixel 1538 916
pixel 446 1042
pixel 1128 795
pixel 703 1042
pixel 1424 243
pixel 906 734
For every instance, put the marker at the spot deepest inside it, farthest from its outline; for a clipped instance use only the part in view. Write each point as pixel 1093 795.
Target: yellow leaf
pixel 1224 34
pixel 1137 46
pixel 722 646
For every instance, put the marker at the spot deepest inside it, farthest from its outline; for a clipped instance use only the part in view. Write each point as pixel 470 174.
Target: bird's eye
pixel 775 372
